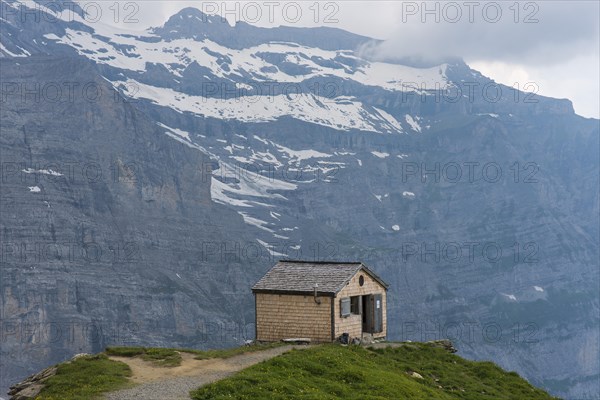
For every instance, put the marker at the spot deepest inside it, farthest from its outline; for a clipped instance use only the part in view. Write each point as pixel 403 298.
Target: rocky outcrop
pixel 414 374
pixel 444 344
pixel 31 386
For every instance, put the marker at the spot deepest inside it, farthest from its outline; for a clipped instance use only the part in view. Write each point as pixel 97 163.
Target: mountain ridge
pixel 242 34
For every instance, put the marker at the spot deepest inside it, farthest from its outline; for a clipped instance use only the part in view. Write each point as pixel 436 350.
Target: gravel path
pixel 159 383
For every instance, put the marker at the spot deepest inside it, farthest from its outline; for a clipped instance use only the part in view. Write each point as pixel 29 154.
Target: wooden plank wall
pixel 291 316
pixel 353 323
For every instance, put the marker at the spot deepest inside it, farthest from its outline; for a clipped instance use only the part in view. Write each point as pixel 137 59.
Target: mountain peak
pixel 192 15
pixel 191 23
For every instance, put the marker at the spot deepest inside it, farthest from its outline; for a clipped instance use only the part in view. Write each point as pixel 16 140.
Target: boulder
pixel 415 374
pixel 444 344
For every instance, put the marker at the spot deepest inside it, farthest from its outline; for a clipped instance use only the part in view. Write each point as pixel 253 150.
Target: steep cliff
pixel 104 223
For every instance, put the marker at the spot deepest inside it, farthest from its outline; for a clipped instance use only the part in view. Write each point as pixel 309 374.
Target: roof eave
pixel 293 292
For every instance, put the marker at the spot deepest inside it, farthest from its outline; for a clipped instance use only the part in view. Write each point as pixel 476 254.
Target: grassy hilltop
pixel 408 371
pixel 414 371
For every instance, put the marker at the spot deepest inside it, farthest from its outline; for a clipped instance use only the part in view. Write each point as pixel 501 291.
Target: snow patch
pixel 261 140
pixel 413 123
pixel 339 114
pixel 388 118
pixel 176 131
pixel 300 155
pixel 41 171
pixel 255 221
pixel 380 154
pixel 270 249
pixel 509 296
pixel 250 184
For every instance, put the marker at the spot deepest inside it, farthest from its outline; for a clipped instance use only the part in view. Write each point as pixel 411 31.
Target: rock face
pixel 31 387
pixel 110 248
pixel 144 215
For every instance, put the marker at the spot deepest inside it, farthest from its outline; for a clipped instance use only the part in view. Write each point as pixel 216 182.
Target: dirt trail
pixel 175 383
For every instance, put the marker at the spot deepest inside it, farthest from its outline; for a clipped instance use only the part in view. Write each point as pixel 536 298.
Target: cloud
pixel 576 79
pixel 528 33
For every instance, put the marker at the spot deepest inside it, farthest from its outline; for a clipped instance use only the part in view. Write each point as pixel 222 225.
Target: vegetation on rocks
pixel 85 378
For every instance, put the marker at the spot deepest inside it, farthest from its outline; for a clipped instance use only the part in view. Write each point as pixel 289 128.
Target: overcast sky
pixel 554 44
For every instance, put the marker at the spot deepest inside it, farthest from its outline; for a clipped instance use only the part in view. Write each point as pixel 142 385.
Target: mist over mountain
pixel 150 178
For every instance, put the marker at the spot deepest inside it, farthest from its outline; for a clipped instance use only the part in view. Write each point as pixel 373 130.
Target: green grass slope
pixel 88 377
pixel 85 378
pixel 336 372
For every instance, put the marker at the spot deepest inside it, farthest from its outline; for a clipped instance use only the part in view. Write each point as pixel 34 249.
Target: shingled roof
pixel 300 277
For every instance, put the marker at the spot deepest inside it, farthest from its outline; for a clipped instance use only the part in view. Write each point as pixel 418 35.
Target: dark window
pixel 355 305
pixel 345 306
pixel 361 280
